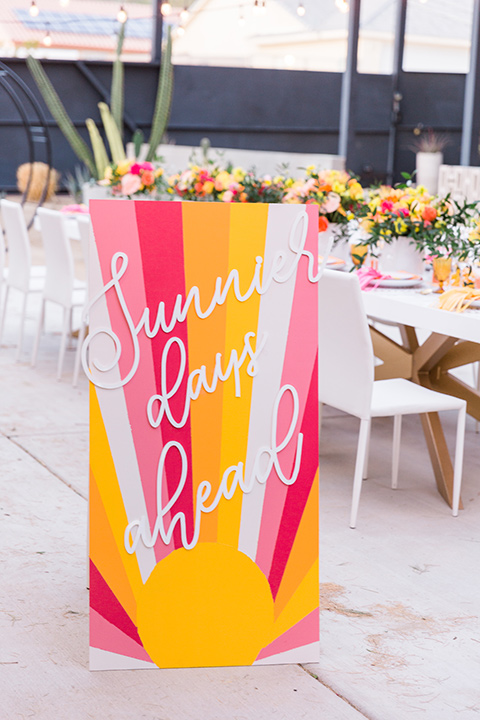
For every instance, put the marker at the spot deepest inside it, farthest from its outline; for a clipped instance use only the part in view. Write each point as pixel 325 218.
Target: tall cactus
pixel 99 150
pixel 163 100
pixel 113 135
pixel 55 105
pixel 117 87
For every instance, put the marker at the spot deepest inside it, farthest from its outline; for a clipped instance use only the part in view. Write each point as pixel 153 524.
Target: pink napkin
pixel 74 209
pixel 370 278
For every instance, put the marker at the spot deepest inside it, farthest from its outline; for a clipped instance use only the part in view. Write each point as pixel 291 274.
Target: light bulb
pixel 33 11
pixel 166 9
pixel 64 3
pixel 342 5
pixel 180 30
pixel 47 40
pixel 184 15
pixel 300 10
pixel 263 7
pixel 256 8
pixel 122 15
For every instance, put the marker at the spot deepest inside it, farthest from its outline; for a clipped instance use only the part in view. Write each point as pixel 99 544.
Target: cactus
pixel 99 151
pixel 163 100
pixel 113 135
pixel 55 105
pixel 117 88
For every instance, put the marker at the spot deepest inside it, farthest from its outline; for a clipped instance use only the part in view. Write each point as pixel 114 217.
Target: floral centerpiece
pixel 132 179
pixel 212 182
pixel 337 193
pixel 434 225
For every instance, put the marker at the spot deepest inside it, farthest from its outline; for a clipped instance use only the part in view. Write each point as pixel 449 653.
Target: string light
pixel 47 40
pixel 263 7
pixel 342 5
pixel 180 31
pixel 122 15
pixel 256 8
pixel 33 11
pixel 184 15
pixel 166 9
pixel 300 10
pixel 64 3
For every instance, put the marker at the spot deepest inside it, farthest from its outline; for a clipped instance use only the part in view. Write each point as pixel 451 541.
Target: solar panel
pixel 84 24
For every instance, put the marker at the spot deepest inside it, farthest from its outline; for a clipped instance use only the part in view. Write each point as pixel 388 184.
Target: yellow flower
pixel 123 167
pixel 159 172
pixel 208 187
pixel 108 173
pixel 400 226
pixel 238 174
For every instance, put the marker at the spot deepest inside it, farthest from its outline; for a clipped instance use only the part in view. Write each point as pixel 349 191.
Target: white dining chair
pixel 347 380
pixel 60 287
pixel 84 227
pixel 20 275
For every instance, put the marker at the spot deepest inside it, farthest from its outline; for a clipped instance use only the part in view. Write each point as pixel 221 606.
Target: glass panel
pixel 376 36
pixel 438 36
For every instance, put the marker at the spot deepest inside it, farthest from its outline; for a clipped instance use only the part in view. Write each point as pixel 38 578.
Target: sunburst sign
pixel 202 357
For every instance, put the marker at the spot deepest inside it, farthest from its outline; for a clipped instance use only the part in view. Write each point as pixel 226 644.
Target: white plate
pixel 399 280
pixel 333 263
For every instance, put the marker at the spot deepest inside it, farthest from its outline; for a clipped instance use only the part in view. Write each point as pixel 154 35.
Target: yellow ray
pixel 103 470
pixel 303 601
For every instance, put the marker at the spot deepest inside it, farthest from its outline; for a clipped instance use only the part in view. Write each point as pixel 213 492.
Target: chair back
pixel 346 363
pixel 18 242
pixel 60 273
pixel 84 226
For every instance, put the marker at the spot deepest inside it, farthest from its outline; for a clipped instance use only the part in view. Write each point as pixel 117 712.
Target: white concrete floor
pixel 400 635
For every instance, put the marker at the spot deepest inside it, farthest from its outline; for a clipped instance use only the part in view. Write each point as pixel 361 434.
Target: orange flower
pixel 429 213
pixel 322 223
pixel 148 177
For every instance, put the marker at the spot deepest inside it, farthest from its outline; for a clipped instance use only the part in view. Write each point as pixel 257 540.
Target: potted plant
pixel 428 148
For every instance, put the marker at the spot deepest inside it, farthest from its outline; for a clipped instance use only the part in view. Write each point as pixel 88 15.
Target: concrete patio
pixel 400 633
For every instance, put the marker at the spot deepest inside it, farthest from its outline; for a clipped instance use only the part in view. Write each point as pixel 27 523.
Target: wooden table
pixel 453 341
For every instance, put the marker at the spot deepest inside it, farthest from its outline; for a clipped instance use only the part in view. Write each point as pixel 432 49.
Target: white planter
pixel 428 168
pixel 400 254
pixel 94 192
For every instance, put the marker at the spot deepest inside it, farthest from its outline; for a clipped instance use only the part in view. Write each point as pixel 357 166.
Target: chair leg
pixel 457 470
pixel 38 334
pixel 397 431
pixel 22 326
pixel 78 353
pixel 359 465
pixel 367 451
pixel 4 312
pixel 63 342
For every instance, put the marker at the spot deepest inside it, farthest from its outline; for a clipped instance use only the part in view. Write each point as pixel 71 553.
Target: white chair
pixel 84 226
pixel 20 275
pixel 347 380
pixel 60 284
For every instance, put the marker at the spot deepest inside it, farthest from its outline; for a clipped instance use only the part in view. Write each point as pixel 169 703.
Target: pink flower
pixel 387 206
pixel 131 184
pixel 147 166
pixel 227 196
pixel 332 203
pixel 135 169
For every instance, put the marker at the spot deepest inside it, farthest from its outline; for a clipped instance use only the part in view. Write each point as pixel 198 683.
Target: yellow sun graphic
pixel 209 606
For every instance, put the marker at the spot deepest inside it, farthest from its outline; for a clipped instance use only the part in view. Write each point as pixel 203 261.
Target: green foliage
pixel 137 140
pixel 55 105
pixel 163 100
